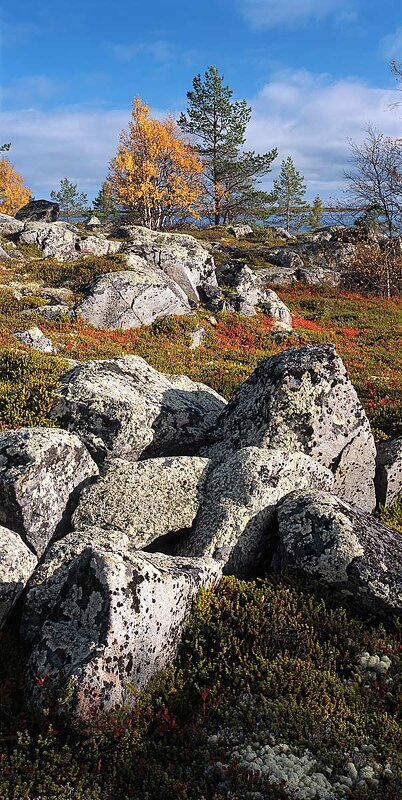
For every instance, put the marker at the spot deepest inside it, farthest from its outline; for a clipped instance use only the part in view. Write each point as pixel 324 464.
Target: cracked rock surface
pixel 302 400
pixel 234 523
pixel 107 615
pixel 40 469
pixel 145 500
pixel 124 408
pixel 349 550
pixel 131 298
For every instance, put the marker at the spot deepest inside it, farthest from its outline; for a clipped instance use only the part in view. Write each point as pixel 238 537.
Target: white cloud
pixel 292 13
pixel 76 143
pixel 305 115
pixel 311 117
pixel 391 45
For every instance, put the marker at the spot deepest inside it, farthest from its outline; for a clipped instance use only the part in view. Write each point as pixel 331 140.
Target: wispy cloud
pixel 294 13
pixel 391 45
pixel 158 50
pixel 31 90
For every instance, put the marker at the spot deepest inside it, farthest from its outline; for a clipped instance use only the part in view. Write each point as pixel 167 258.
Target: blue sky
pixel 315 72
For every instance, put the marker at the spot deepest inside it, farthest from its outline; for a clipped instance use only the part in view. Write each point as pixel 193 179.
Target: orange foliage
pixel 156 171
pixel 13 193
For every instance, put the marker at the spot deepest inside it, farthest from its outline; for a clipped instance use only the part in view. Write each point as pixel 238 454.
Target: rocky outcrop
pixel 245 291
pixel 332 541
pixel 9 225
pixel 145 500
pixel 17 563
pixel 301 400
pixel 234 523
pixel 129 299
pixel 101 616
pixel 40 470
pixel 181 257
pixel 39 211
pixel 62 241
pixel 35 339
pixel 389 471
pixel 124 408
pixel 286 257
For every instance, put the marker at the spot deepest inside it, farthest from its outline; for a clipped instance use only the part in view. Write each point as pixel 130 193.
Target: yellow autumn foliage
pixel 156 172
pixel 13 193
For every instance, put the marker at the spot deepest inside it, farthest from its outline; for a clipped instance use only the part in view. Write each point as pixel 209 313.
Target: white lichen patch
pixel 299 775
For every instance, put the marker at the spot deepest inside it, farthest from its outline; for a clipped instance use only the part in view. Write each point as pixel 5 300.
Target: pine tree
pixel 104 203
pixel 72 202
pixel 288 196
pixel 218 127
pixel 315 214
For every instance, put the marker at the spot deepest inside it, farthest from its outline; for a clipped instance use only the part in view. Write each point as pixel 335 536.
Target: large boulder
pixel 389 471
pixel 63 241
pixel 101 617
pixel 234 523
pixel 145 500
pixel 39 211
pixel 180 256
pixel 41 470
pixel 333 541
pixel 96 246
pixel 302 400
pixel 17 563
pixel 249 292
pixel 285 257
pixel 124 408
pixel 56 239
pixel 9 225
pixel 129 299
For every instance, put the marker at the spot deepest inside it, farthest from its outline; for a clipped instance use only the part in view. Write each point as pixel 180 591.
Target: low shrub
pixel 27 387
pixel 260 661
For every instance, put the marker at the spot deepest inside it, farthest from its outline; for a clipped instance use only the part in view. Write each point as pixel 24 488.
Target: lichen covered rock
pixel 240 495
pixel 146 500
pixel 131 298
pixel 389 471
pixel 302 400
pixel 124 408
pixel 245 292
pixel 101 616
pixel 40 469
pixel 333 541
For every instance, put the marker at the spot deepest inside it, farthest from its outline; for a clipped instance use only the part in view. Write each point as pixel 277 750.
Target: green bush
pixel 73 274
pixel 27 387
